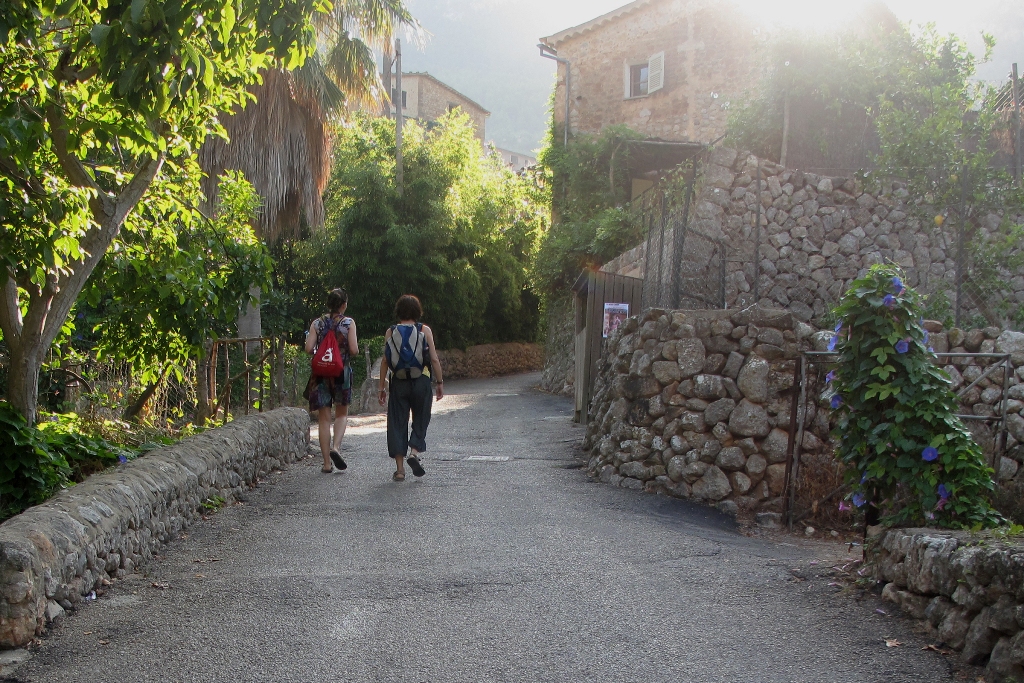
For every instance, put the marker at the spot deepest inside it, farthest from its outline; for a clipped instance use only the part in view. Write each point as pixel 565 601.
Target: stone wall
pixel 708 63
pixel 560 349
pixel 818 234
pixel 696 404
pixel 967 589
pixel 54 554
pixel 491 360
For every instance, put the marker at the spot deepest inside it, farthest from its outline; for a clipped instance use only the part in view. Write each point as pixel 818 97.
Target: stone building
pixel 666 68
pixel 427 99
pixel 517 161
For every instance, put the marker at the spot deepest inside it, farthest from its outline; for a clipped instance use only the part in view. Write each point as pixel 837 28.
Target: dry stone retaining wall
pixel 696 404
pixel 818 234
pixel 967 589
pixel 491 360
pixel 53 554
pixel 560 350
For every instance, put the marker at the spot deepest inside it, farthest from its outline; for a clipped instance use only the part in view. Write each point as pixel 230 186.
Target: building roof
pixel 554 40
pixel 424 74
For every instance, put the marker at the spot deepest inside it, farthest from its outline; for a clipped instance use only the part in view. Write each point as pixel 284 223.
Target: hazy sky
pixel 487 48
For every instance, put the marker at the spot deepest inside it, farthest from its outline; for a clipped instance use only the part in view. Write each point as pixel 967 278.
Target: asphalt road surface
pixel 504 563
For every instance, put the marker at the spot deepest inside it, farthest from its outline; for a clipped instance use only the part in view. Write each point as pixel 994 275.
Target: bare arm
pixel 383 392
pixel 311 338
pixel 435 363
pixel 353 342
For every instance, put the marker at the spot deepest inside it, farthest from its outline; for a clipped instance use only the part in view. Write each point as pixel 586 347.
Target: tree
pixel 281 142
pixel 98 97
pixel 461 235
pixel 174 278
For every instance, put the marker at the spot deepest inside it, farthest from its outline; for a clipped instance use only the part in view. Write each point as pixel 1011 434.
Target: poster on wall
pixel 614 315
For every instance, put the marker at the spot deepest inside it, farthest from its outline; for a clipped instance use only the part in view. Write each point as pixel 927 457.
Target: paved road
pixel 484 570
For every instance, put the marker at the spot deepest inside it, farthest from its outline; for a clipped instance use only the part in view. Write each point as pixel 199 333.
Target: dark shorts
pixel 324 392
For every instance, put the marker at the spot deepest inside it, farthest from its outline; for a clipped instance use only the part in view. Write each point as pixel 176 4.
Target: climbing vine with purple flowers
pixel 906 453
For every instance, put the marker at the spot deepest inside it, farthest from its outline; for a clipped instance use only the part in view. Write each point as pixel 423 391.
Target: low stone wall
pixel 491 360
pixel 560 349
pixel 696 404
pixel 53 554
pixel 968 590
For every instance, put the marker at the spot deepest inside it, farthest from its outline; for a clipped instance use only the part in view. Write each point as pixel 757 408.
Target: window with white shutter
pixel 656 72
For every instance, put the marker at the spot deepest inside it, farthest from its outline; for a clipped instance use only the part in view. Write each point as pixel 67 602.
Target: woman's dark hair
pixel 408 308
pixel 337 298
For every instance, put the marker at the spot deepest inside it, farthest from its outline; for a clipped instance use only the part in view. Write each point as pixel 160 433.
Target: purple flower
pixel 863 477
pixel 931 349
pixel 902 346
pixel 859 499
pixel 836 401
pixel 897 284
pixel 889 301
pixel 830 376
pixel 843 507
pixel 926 336
pixel 122 459
pixel 930 454
pixel 832 343
pixel 943 492
pixel 839 326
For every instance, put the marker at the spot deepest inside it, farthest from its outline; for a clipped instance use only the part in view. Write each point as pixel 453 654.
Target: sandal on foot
pixel 398 476
pixel 326 470
pixel 338 461
pixel 414 463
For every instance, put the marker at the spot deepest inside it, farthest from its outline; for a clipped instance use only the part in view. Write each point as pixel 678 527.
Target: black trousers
pixel 408 395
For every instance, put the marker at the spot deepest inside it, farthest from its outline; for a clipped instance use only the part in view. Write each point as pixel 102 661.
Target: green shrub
pixel 31 471
pixel 906 453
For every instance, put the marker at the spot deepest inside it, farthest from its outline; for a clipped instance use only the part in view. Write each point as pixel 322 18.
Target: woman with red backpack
pixel 408 350
pixel 331 341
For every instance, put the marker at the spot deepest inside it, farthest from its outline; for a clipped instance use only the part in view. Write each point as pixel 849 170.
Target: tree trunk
pixel 23 380
pixel 135 408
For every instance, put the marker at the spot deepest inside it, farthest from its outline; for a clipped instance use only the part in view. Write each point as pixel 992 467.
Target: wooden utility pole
pixel 1016 123
pixel 785 130
pixel 399 115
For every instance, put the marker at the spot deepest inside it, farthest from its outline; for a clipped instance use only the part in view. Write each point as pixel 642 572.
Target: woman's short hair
pixel 408 308
pixel 337 298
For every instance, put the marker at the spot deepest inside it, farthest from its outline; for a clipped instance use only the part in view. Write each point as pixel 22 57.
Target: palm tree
pixel 282 142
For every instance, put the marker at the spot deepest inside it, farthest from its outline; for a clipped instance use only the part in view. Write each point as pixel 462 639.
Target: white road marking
pixel 489 458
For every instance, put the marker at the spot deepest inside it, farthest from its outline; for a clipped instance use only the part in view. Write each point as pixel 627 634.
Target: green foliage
pixel 460 236
pixel 85 453
pixel 175 278
pixel 30 471
pixel 97 97
pixel 904 449
pixel 592 224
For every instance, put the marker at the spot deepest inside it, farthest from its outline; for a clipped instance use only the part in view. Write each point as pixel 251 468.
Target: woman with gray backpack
pixel 408 350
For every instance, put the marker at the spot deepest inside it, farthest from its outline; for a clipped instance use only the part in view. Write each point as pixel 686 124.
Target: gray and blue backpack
pixel 406 351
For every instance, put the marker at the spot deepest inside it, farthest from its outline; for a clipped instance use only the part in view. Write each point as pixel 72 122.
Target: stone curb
pixel 968 588
pixel 54 555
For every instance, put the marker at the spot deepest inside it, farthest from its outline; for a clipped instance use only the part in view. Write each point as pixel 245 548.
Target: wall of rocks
pixel 696 404
pixel 54 554
pixel 818 233
pixel 491 360
pixel 967 590
pixel 560 349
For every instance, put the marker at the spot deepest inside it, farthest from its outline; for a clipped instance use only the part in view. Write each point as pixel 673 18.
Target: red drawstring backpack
pixel 327 360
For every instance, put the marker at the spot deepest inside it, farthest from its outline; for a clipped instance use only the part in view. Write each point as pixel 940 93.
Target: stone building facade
pixel 666 68
pixel 427 99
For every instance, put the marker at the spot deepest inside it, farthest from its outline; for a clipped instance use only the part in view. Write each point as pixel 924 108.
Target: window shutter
pixel 656 72
pixel 626 93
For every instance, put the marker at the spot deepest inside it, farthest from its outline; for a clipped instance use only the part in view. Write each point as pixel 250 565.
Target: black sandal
pixel 414 463
pixel 339 462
